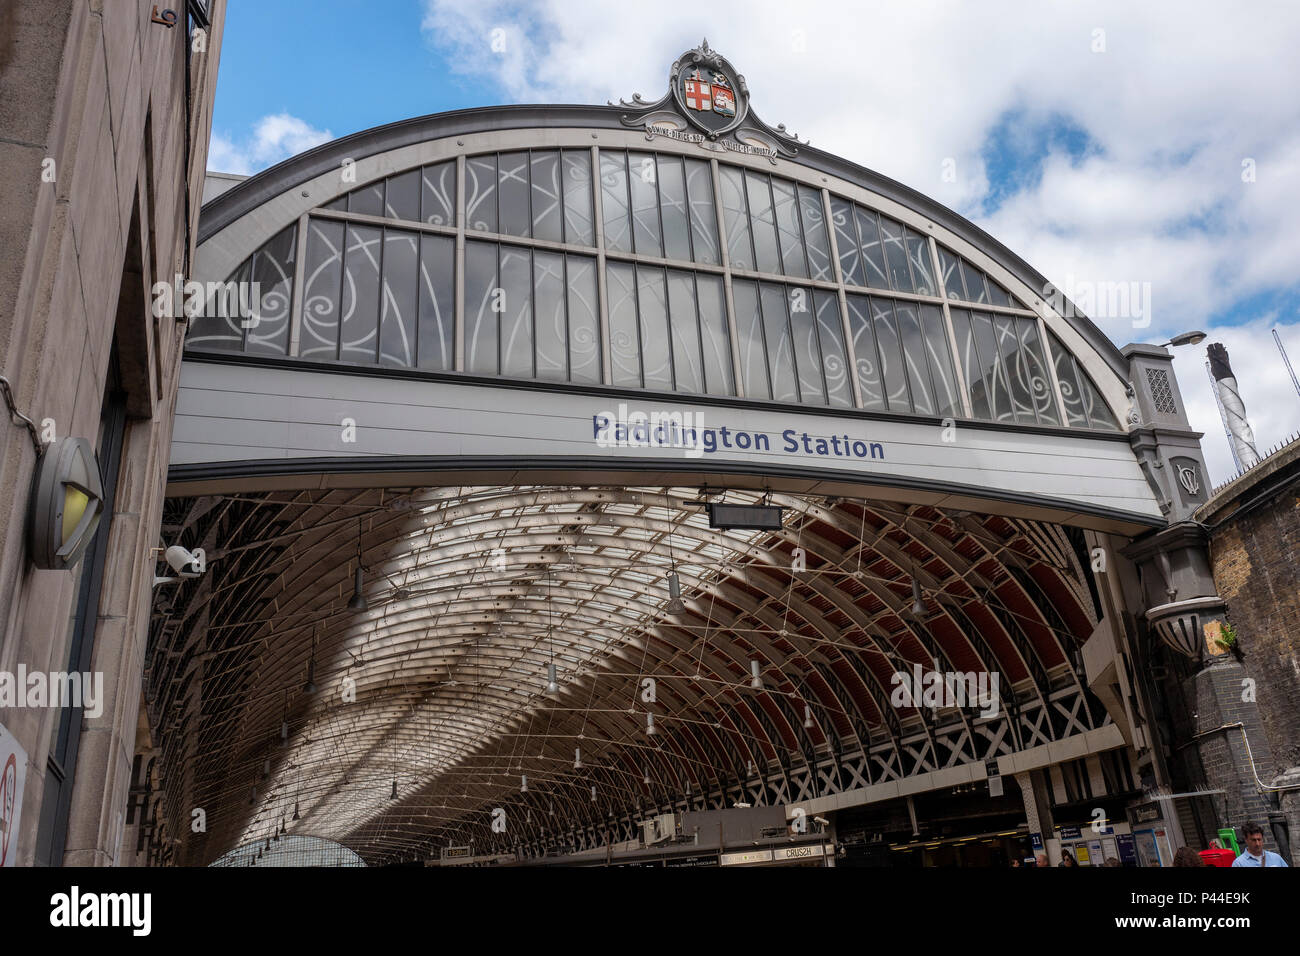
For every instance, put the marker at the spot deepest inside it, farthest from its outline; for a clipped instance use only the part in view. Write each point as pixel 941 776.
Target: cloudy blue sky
pixel 1105 142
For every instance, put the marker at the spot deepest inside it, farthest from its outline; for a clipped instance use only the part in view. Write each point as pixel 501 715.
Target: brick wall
pixel 1254 527
pixel 1227 765
pixel 1255 555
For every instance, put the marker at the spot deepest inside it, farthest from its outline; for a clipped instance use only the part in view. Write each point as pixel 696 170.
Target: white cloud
pixel 1182 95
pixel 274 138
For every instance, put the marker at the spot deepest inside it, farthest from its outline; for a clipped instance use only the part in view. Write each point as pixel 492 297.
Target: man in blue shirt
pixel 1255 854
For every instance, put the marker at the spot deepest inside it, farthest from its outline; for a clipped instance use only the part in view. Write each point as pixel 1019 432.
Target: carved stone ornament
pixel 1187 626
pixel 1133 419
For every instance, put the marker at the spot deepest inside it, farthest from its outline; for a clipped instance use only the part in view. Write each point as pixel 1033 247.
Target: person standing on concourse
pixel 1255 854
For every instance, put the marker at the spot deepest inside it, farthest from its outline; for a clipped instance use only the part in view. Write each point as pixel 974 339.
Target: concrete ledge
pixel 1071 748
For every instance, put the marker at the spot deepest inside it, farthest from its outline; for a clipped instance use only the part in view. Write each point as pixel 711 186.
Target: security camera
pixel 822 820
pixel 188 564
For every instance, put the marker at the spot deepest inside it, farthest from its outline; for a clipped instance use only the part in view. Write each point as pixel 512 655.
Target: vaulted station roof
pixel 438 691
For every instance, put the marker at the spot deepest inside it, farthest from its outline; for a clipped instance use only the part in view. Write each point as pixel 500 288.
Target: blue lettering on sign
pixel 687 432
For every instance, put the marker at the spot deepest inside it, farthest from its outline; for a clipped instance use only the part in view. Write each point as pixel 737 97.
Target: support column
pixel 1038 808
pixel 97 817
pixel 1179 612
pixel 1233 747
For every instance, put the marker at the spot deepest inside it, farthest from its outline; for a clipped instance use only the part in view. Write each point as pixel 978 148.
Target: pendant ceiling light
pixel 649 724
pixel 552 684
pixel 646 780
pixel 577 758
pixel 309 687
pixel 358 601
pixel 918 600
pixel 523 783
pixel 755 681
pixel 807 717
pixel 674 605
pixel 393 795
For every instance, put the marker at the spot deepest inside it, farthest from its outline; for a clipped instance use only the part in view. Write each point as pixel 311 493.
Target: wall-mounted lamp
pixel 67 502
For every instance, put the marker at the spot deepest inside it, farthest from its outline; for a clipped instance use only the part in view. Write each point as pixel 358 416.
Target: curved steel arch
pixel 468 740
pixel 319 167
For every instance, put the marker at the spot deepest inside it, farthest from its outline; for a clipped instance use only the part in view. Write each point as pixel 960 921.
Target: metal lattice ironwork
pixel 439 690
pixel 1161 396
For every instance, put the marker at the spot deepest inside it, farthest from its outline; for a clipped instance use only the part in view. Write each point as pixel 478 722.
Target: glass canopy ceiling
pixel 437 692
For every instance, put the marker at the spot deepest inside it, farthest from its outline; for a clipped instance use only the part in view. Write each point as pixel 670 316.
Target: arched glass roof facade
pixel 556 246
pixel 644 269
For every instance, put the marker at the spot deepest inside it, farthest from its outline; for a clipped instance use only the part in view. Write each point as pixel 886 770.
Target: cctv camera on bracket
pixel 186 563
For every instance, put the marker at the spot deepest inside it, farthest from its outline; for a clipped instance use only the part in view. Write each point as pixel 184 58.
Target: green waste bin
pixel 1228 840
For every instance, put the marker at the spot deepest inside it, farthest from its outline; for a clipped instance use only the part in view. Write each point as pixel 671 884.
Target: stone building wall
pixel 100 173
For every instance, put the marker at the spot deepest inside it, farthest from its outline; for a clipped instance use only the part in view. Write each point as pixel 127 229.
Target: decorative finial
pixel 704 46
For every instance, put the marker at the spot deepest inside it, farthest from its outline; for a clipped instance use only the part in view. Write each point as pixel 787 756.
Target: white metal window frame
pixel 218 257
